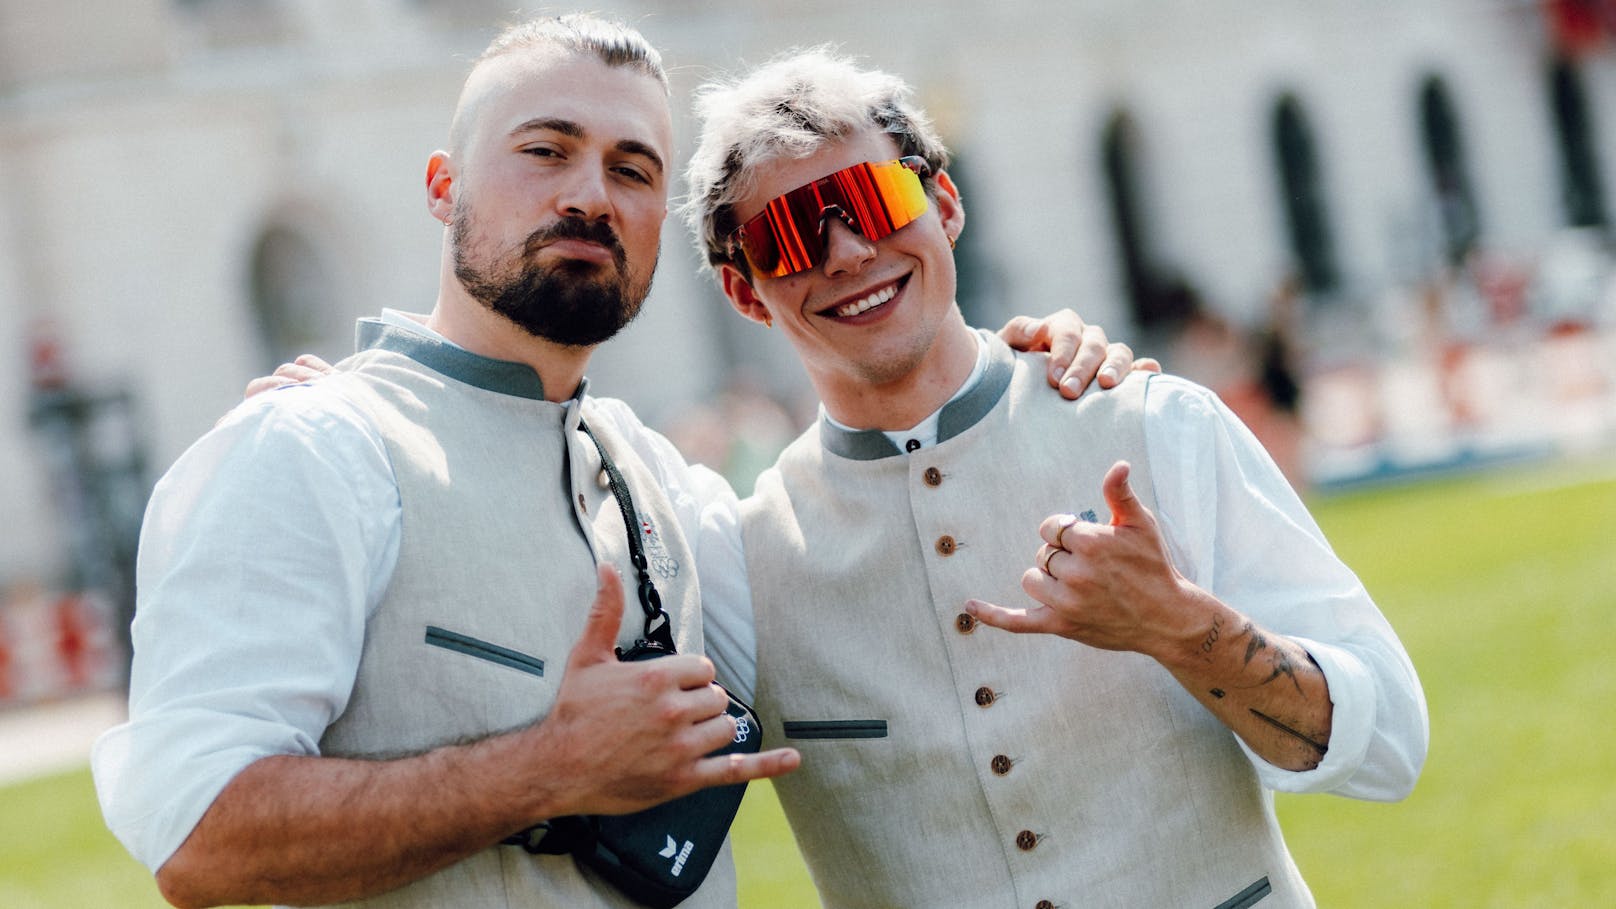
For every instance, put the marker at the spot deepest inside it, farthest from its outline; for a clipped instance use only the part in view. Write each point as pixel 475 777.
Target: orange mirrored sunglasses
pixel 874 199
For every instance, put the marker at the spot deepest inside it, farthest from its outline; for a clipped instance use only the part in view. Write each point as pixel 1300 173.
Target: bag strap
pixel 658 628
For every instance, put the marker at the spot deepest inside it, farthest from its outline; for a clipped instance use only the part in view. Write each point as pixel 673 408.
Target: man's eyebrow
pixel 636 147
pixel 549 124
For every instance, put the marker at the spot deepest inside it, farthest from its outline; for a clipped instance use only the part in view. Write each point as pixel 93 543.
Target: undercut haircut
pixel 586 34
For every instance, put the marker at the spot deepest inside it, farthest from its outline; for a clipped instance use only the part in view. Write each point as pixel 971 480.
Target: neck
pixel 467 322
pixel 902 402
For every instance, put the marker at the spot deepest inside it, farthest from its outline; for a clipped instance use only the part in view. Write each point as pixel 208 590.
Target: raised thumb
pixel 1125 506
pixel 597 643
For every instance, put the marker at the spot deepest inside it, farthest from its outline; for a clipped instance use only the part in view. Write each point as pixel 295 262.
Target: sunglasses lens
pixel 875 199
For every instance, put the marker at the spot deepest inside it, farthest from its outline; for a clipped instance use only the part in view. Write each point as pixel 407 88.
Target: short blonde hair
pixel 789 107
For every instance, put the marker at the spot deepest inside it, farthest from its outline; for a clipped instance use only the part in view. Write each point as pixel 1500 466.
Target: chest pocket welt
pixel 493 653
pixel 835 729
pixel 1248 896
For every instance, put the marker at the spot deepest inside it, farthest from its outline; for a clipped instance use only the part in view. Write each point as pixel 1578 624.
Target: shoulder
pixel 297 429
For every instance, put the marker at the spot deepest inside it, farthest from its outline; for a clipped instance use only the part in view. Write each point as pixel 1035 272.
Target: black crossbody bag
pixel 658 856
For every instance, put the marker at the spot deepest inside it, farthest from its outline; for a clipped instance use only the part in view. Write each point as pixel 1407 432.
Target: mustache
pixel 577 229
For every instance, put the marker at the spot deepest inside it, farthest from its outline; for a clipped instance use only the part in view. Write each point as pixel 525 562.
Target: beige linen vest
pixel 505 514
pixel 946 763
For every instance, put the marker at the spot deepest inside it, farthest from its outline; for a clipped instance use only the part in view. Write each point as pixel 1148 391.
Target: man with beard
pixel 363 651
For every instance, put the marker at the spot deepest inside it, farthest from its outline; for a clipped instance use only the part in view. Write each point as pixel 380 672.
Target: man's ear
pixel 440 187
pixel 742 296
pixel 950 208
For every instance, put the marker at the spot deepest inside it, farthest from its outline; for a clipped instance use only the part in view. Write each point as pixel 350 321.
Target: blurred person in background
pixel 1189 643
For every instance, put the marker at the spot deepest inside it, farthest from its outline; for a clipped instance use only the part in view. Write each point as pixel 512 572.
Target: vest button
pixel 1044 904
pixel 933 476
pixel 1026 841
pixel 1001 764
pixel 946 545
pixel 912 445
pixel 984 696
pixel 964 623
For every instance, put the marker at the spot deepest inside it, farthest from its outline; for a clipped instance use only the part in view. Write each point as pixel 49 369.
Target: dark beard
pixel 566 303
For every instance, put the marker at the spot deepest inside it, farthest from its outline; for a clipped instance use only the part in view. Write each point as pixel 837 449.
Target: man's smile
pixel 865 302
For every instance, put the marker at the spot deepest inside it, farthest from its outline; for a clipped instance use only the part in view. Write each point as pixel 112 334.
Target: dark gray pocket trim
pixel 836 729
pixel 504 656
pixel 1248 896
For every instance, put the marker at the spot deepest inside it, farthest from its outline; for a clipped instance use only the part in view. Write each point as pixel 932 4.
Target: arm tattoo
pixel 1280 660
pixel 1320 748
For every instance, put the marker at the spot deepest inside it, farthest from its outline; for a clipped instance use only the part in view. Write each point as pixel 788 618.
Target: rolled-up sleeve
pixel 263 549
pixel 1236 528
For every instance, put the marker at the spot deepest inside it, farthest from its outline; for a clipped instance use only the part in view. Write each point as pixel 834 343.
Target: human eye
pixel 632 172
pixel 542 151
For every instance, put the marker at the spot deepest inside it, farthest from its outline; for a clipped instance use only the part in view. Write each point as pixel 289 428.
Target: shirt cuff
pixel 153 798
pixel 1352 725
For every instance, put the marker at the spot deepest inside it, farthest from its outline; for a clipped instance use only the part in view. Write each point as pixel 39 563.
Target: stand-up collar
pixel 498 376
pixel 956 416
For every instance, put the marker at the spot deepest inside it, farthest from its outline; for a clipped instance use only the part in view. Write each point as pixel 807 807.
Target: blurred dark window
pixel 1307 216
pixel 1450 176
pixel 1581 186
pixel 292 297
pixel 1148 300
pixel 978 290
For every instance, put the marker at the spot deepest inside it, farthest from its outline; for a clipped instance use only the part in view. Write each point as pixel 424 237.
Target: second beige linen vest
pixel 946 763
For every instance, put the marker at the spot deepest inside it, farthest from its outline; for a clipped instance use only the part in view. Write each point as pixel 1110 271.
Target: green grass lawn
pixel 1503 587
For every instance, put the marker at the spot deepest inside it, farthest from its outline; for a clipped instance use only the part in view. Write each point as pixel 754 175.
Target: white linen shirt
pixel 272 538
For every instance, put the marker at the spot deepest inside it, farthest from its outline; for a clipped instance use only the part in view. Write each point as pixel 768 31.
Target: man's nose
pixel 846 250
pixel 585 195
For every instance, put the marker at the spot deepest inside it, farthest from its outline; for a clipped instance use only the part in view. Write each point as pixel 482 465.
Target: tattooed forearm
pixel 1280 661
pixel 1213 635
pixel 1316 745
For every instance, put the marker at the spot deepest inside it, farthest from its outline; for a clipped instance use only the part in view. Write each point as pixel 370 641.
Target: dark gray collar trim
pixel 957 416
pixel 499 376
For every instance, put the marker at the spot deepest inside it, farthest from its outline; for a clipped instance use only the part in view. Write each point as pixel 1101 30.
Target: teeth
pixel 868 303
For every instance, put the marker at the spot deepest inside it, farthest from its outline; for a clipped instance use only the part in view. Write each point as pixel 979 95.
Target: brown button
pixel 946 545
pixel 1026 841
pixel 581 505
pixel 964 623
pixel 1001 764
pixel 1044 904
pixel 912 445
pixel 933 476
pixel 984 696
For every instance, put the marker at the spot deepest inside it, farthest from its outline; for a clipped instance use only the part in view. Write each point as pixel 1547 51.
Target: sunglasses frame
pixel 735 242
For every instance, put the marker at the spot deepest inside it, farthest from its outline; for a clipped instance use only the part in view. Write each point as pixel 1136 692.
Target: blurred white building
pixel 196 189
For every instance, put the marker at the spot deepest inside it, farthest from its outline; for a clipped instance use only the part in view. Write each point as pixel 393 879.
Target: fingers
pixel 1118 361
pixel 314 364
pixel 265 383
pixel 306 368
pixel 1019 621
pixel 597 643
pixel 729 769
pixel 1078 357
pixel 1054 529
pixel 1024 333
pixel 1147 364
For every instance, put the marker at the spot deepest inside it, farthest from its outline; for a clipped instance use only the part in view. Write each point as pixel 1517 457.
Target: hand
pixel 1078 353
pixel 1108 586
pixel 306 368
pixel 633 735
